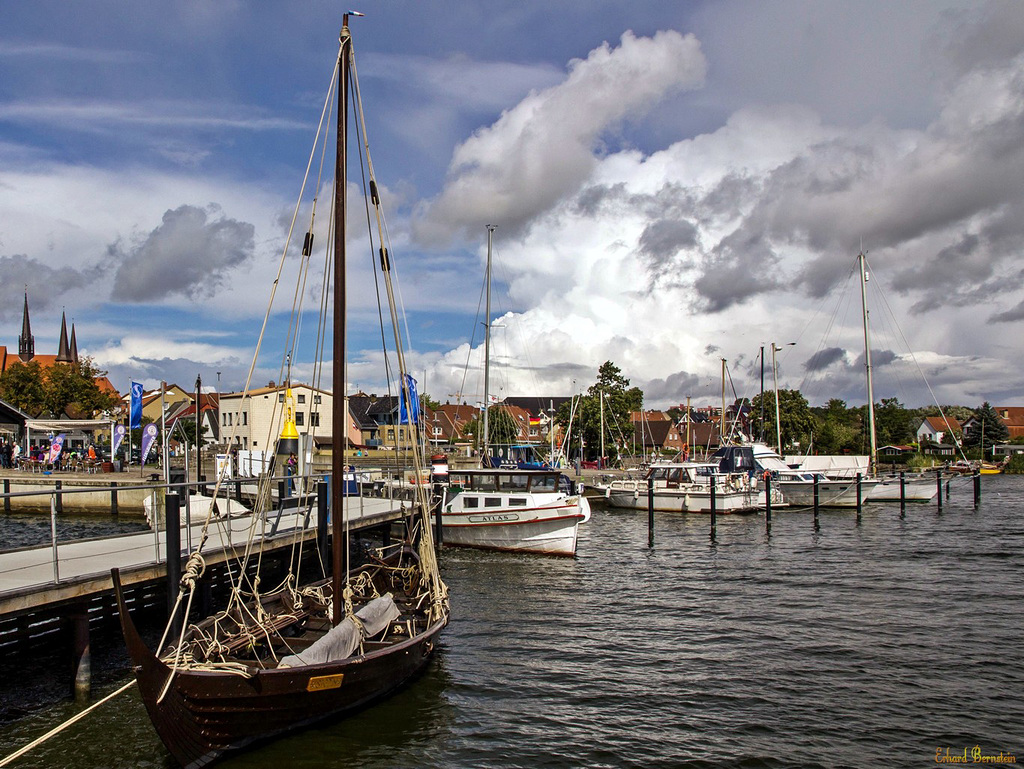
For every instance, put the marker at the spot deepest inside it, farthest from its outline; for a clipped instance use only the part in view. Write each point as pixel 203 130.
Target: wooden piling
pixel 7 490
pixel 58 496
pixel 903 494
pixel 714 506
pixel 172 513
pixel 816 492
pixel 860 496
pixel 938 480
pixel 650 513
pixel 113 498
pixel 977 489
pixel 768 500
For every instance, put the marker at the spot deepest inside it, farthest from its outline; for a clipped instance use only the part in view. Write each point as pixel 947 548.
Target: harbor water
pixel 888 642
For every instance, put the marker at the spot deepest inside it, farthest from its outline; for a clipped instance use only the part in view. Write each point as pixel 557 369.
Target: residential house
pixel 378 421
pixel 1013 418
pixel 939 429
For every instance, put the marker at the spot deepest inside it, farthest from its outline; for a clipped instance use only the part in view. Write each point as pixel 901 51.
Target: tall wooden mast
pixel 339 426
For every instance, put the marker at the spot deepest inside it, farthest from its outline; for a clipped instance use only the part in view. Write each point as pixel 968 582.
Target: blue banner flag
pixel 135 414
pixel 409 414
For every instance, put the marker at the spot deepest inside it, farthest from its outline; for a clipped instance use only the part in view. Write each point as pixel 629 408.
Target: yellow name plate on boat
pixel 319 683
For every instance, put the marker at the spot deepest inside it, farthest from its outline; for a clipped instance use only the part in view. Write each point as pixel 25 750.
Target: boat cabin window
pixel 517 502
pixel 468 501
pixel 492 502
pixel 544 483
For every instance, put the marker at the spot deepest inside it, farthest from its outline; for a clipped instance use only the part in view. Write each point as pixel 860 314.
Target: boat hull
pixel 206 715
pixel 546 531
pixel 687 501
pixel 915 490
pixel 830 493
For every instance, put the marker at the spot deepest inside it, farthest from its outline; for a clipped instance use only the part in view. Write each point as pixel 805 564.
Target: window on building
pixel 316 399
pixel 300 418
pixel 245 417
pixel 280 397
pixel 314 418
pixel 302 397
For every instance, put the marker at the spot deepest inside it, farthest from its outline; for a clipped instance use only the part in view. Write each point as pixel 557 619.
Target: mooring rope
pixel 58 729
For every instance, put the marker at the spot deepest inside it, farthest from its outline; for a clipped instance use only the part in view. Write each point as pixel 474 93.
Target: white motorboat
pixel 686 487
pixel 530 511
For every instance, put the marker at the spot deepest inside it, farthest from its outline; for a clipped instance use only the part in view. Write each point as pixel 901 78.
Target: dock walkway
pixel 32 578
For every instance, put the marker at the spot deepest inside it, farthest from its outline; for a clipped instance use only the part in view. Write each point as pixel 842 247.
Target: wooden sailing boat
pixel 273 663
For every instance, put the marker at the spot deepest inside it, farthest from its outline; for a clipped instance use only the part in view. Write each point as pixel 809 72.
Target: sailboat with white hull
pixel 273 662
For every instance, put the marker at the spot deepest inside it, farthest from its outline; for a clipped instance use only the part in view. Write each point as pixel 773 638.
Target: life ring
pixel 767 475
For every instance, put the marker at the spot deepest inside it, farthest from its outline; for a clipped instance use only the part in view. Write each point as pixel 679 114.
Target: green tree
pixel 55 390
pixel 501 425
pixel 893 423
pixel 987 431
pixel 619 401
pixel 797 422
pixel 21 385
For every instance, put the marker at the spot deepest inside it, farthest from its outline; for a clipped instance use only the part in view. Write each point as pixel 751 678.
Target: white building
pixel 253 422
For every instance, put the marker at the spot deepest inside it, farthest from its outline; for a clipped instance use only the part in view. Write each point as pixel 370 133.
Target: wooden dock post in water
pixel 7 490
pixel 650 513
pixel 714 506
pixel 113 497
pixel 860 498
pixel 938 481
pixel 57 486
pixel 172 527
pixel 768 501
pixel 903 494
pixel 816 501
pixel 977 489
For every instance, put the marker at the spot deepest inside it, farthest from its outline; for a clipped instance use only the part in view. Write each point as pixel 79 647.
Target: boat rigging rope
pixel 71 721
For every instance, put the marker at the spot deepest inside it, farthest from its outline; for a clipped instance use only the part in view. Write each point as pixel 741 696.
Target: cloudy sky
pixel 673 183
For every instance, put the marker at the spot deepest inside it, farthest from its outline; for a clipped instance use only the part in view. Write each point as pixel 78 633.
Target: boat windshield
pixel 505 481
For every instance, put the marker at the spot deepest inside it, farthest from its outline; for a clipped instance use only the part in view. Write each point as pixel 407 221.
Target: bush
pixel 1016 464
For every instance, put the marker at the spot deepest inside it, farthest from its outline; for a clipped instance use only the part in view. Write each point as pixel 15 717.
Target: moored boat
pixel 686 487
pixel 530 511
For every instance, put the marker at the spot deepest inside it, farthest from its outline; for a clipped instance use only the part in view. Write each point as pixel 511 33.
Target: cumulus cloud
pixel 44 284
pixel 724 236
pixel 547 145
pixel 188 254
pixel 824 358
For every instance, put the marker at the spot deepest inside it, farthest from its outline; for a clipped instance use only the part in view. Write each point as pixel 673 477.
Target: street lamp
pixel 775 377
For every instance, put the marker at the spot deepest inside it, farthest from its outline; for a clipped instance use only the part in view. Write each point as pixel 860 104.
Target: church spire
pixel 64 350
pixel 74 344
pixel 26 342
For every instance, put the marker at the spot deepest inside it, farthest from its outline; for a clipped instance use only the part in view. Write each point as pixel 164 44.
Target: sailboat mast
pixel 339 428
pixel 867 357
pixel 487 345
